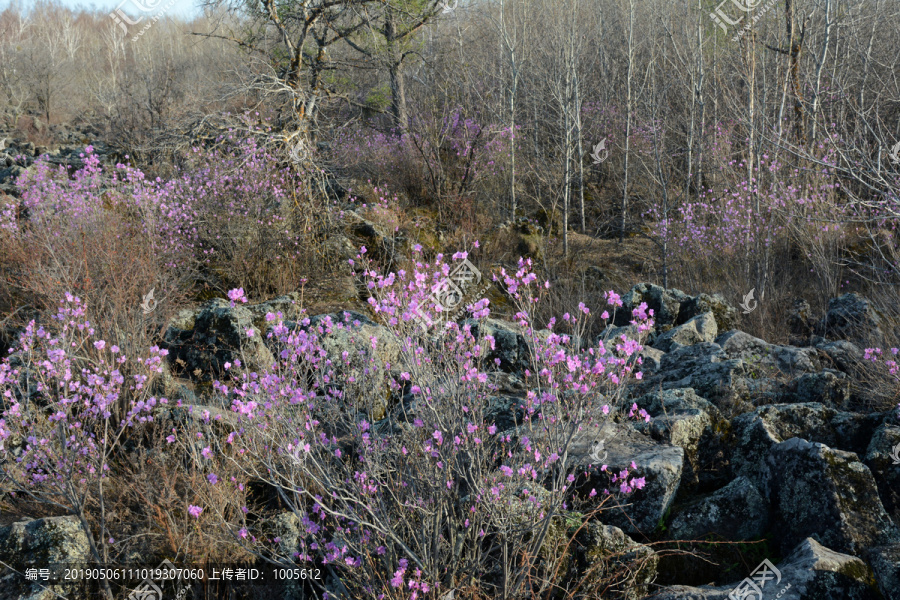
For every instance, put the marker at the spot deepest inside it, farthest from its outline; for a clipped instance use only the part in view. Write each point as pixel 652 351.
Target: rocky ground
pixel 749 442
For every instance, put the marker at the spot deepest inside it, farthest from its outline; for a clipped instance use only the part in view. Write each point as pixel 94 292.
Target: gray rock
pixel 673 307
pixel 288 529
pixel 651 359
pixel 844 355
pixel 810 572
pixel 38 544
pixel 703 367
pixel 219 336
pixel 801 323
pixel 886 471
pixel 736 512
pixel 789 360
pixel 10 190
pixel 825 494
pixel 506 412
pixel 510 345
pixel 853 317
pixel 660 464
pixel 11 173
pixel 755 434
pixel 739 368
pixel 613 561
pixel 686 429
pixel 187 414
pixel 351 333
pixel 726 316
pixel 701 328
pixel 666 304
pixel 673 400
pixel 815 571
pixel 287 308
pixel 854 431
pixel 829 387
pixel 686 592
pixel 885 562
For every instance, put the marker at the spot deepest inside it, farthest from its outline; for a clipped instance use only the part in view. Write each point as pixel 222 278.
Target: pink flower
pixel 99 345
pixel 237 294
pixel 206 452
pixel 195 511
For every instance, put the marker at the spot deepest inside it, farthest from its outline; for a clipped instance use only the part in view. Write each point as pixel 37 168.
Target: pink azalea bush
pixel 386 454
pixel 66 410
pixel 449 155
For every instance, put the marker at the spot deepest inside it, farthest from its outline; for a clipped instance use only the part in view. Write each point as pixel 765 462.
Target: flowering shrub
pixel 877 356
pixel 442 156
pixel 436 492
pixel 66 410
pixel 737 229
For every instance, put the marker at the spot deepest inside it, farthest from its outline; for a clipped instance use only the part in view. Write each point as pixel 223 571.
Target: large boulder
pixel 701 328
pixel 658 463
pixel 666 304
pixel 201 342
pixel 880 458
pixel 843 355
pixel 754 434
pixel 40 544
pixel 351 335
pixel 684 419
pixel 511 347
pixel 828 386
pixel 672 307
pixel 885 562
pixel 738 367
pixel 613 562
pixel 738 511
pixel 853 317
pixel 703 367
pixel 825 494
pixel 810 572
